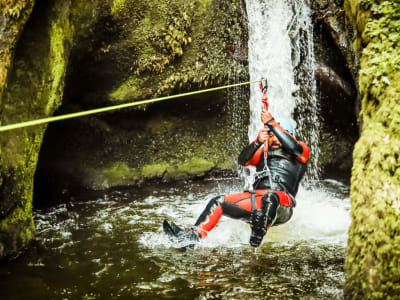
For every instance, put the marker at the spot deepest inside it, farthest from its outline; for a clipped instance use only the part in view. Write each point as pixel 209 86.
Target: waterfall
pixel 287 60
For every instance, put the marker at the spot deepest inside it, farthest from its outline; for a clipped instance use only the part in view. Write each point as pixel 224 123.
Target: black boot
pixel 258 224
pixel 187 238
pixel 262 218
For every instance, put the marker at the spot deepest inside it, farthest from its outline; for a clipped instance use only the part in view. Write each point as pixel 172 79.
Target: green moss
pixel 154 170
pixel 227 164
pixel 117 5
pixel 119 173
pixel 19 215
pixel 19 226
pixel 129 90
pixel 373 259
pixel 15 14
pixel 203 6
pixel 196 166
pixel 190 30
pixel 59 35
pixel 37 78
pixel 193 168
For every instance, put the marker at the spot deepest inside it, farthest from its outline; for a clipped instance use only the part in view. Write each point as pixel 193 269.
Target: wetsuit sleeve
pixel 251 154
pixel 289 143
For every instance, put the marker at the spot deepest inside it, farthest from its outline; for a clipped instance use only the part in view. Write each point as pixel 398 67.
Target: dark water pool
pixel 112 247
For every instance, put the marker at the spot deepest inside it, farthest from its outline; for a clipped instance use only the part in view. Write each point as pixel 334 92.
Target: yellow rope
pixel 130 104
pixel 114 107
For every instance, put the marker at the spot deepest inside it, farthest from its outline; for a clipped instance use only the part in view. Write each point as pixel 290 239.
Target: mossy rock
pixel 36 77
pixel 373 258
pixel 154 170
pixel 120 174
pixel 196 166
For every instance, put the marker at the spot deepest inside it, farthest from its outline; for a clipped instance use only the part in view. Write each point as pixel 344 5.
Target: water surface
pixel 112 246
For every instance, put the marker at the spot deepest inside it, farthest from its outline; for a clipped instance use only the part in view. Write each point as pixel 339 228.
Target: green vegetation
pixel 120 174
pixel 154 170
pixel 15 14
pixel 196 166
pixel 35 89
pixel 203 63
pixel 373 259
pixel 117 5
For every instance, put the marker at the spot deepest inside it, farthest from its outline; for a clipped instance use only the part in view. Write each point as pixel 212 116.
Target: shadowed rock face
pixel 35 81
pixel 13 16
pixel 337 92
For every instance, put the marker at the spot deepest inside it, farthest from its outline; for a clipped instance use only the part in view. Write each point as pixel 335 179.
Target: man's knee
pixel 216 200
pixel 271 198
pixel 284 214
pixel 270 205
pixel 212 205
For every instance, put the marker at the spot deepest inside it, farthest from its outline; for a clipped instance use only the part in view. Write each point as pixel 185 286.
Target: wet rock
pixel 336 76
pixel 373 253
pixel 34 83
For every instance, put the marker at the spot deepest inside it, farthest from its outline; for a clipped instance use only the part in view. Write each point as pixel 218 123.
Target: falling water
pixel 285 57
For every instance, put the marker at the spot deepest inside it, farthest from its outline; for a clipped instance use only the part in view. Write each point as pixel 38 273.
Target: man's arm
pixel 249 155
pixel 289 142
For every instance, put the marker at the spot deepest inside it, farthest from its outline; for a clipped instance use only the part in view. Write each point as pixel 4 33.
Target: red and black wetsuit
pixel 287 166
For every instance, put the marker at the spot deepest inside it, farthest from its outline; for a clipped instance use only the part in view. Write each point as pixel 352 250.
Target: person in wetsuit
pixel 272 201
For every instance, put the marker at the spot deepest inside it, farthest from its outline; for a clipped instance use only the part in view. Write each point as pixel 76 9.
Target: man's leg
pixel 276 209
pixel 239 206
pixel 236 206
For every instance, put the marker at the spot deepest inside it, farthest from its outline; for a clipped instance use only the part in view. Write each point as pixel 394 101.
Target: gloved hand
pixel 262 135
pixel 265 116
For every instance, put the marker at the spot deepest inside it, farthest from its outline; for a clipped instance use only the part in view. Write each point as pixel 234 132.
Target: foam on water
pixel 320 216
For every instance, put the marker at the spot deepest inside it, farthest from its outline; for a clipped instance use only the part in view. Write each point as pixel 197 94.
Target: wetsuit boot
pixel 181 238
pixel 262 218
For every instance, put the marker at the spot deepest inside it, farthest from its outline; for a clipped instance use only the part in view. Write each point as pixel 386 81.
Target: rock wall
pixel 75 55
pixel 373 258
pixel 336 78
pixel 142 50
pixel 34 89
pixel 13 16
